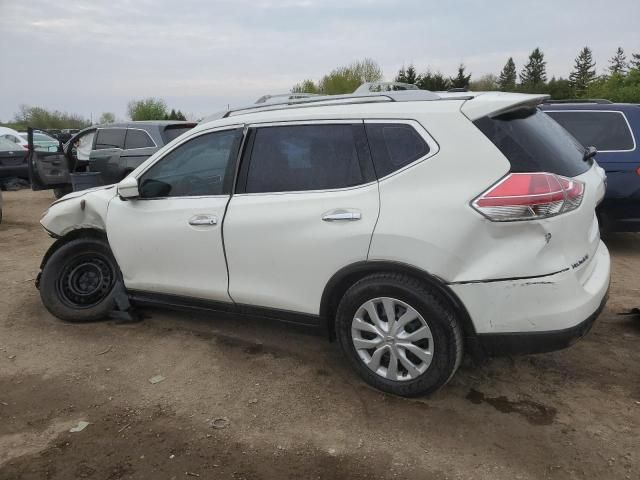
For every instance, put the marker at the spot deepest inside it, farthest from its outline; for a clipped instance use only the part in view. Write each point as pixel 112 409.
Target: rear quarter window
pixel 605 130
pixel 393 146
pixel 533 142
pixel 171 132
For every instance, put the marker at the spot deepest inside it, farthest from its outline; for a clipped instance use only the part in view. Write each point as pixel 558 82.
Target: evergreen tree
pixel 172 114
pixel 635 61
pixel 508 76
pixel 401 76
pixel 412 76
pixel 534 74
pixel 560 89
pixel 180 116
pixel 584 71
pixel 433 81
pixel 461 80
pixel 618 63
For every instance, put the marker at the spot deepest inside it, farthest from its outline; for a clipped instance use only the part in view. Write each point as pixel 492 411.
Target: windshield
pixel 39 137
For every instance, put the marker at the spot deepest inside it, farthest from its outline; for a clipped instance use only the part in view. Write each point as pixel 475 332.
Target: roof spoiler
pixel 496 103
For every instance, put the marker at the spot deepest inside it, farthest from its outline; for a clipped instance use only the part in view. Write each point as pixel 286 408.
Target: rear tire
pixel 77 282
pixel 420 355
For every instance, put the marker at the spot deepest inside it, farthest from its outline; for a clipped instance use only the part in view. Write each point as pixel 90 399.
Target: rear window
pixel 110 138
pixel 533 142
pixel 604 130
pixel 172 132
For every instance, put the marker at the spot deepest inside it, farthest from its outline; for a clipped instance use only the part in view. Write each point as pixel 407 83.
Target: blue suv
pixel 613 129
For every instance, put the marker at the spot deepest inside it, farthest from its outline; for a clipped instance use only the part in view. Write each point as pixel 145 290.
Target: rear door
pixel 104 157
pixel 305 206
pixel 138 146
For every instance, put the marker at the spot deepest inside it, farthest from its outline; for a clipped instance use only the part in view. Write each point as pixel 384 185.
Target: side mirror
pixel 128 188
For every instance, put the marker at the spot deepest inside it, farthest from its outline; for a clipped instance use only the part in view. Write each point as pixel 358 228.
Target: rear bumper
pixel 538 342
pixel 538 314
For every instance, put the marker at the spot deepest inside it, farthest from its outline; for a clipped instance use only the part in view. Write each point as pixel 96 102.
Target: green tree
pixel 635 60
pixel 617 87
pixel 346 79
pixel 107 117
pixel 408 75
pixel 436 82
pixel 38 117
pixel 534 74
pixel 508 76
pixel 486 83
pixel 147 109
pixel 460 80
pixel 618 63
pixel 584 71
pixel 560 89
pixel 343 79
pixel 306 86
pixel 180 116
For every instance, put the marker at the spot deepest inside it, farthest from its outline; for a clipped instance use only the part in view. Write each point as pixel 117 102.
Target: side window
pixel 603 130
pixel 303 157
pixel 110 138
pixel 201 166
pixel 393 146
pixel 137 139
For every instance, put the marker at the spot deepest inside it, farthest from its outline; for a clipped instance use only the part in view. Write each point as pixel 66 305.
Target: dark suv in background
pixel 113 150
pixel 613 129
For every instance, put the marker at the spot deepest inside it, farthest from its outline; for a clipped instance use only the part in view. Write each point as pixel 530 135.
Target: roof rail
pixel 288 96
pixel 579 100
pixel 457 90
pixel 395 96
pixel 370 87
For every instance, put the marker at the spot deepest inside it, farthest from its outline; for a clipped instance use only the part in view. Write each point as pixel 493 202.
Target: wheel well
pixel 72 235
pixel 345 278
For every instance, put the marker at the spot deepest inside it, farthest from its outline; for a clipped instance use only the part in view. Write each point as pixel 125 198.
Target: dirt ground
pixel 288 405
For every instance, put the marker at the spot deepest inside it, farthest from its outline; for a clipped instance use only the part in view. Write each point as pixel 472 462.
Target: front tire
pixel 399 334
pixel 77 282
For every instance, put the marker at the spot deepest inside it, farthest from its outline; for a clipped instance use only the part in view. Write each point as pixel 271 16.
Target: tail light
pixel 529 196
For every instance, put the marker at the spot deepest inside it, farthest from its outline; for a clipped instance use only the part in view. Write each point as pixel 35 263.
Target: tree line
pixel 619 83
pixel 41 118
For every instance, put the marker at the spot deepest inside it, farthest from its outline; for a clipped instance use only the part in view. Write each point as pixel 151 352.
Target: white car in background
pixel 14 136
pixel 414 228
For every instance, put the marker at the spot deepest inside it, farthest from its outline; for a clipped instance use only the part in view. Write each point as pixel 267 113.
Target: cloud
pixel 89 57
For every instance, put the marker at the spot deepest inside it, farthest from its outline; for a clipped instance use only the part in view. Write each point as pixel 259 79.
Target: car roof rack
pixel 458 90
pixel 323 100
pixel 579 100
pixel 288 96
pixel 370 87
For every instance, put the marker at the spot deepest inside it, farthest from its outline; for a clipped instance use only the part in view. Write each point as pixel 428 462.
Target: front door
pixel 306 206
pixel 169 240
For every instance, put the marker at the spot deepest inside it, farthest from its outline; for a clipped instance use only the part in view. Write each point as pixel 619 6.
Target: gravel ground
pixel 245 399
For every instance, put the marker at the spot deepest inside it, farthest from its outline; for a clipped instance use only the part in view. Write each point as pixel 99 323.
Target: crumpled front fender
pixel 79 210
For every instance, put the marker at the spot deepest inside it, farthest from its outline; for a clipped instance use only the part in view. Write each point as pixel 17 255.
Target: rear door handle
pixel 342 215
pixel 203 220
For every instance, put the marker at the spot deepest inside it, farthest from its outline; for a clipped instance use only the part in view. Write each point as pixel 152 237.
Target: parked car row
pixel 412 227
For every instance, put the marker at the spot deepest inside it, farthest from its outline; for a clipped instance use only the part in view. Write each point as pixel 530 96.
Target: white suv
pixel 413 227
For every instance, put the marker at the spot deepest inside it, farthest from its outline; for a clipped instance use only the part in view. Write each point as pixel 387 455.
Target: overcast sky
pixel 88 57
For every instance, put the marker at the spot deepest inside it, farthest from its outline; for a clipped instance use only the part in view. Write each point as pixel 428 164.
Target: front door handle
pixel 203 220
pixel 342 215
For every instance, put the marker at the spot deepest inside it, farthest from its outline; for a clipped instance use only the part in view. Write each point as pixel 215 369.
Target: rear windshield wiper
pixel 589 153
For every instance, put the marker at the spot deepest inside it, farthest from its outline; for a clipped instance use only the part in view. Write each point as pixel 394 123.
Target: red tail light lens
pixel 529 196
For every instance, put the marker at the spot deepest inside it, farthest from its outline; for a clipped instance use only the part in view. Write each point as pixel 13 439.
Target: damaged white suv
pixel 413 227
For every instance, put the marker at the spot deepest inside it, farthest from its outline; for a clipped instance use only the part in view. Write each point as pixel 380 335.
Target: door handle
pixel 342 215
pixel 203 220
